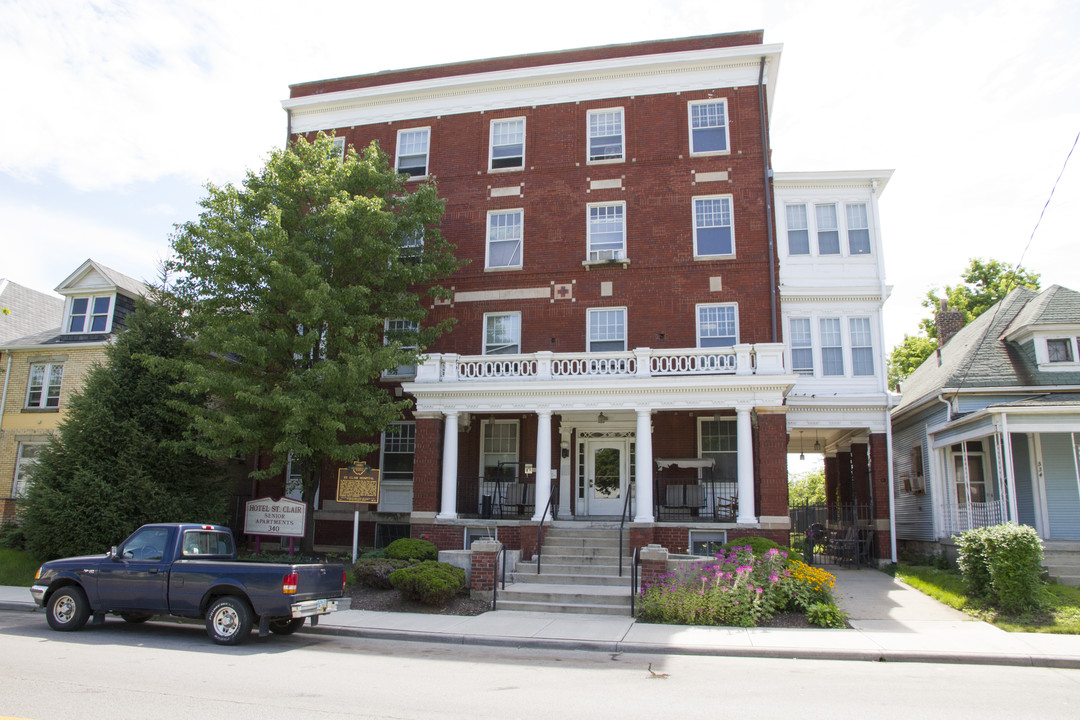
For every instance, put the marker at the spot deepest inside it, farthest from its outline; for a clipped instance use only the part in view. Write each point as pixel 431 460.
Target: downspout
pixel 288 126
pixel 768 198
pixel 3 396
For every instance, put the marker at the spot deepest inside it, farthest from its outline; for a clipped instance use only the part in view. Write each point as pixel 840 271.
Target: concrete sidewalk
pixel 890 622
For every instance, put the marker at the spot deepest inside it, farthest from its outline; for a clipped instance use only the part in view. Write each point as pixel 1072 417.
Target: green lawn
pixel 17 568
pixel 1062 614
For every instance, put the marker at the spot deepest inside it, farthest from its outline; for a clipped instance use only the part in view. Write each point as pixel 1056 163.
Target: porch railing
pixel 688 500
pixel 744 359
pixel 479 497
pixel 960 518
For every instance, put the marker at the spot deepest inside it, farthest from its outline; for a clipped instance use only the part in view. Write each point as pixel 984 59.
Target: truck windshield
pixel 206 542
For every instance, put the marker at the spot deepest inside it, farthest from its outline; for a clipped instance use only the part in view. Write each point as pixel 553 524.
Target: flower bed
pixel 742 589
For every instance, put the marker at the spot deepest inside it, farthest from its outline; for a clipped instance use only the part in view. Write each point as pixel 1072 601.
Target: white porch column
pixel 543 462
pixel 745 442
pixel 643 468
pixel 448 507
pixel 566 487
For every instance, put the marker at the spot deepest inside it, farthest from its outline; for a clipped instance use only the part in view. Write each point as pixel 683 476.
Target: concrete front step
pixel 1060 546
pixel 573 568
pixel 573 579
pixel 584 542
pixel 562 607
pixel 577 596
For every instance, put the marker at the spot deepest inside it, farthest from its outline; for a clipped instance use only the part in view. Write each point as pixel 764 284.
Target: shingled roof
pixel 30 310
pixel 979 356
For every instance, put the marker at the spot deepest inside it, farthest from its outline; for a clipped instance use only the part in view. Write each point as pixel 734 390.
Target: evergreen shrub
pixel 412 549
pixel 375 572
pixel 429 582
pixel 1003 563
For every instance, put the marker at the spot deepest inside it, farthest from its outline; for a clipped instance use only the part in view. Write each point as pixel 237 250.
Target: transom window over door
pixel 606 135
pixel 717 325
pixel 502 333
pixel 712 226
pixel 708 127
pixel 607 231
pixel 507 144
pixel 504 240
pixel 412 151
pixel 607 330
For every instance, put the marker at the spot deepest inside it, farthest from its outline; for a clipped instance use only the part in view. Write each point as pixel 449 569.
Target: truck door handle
pixel 152 571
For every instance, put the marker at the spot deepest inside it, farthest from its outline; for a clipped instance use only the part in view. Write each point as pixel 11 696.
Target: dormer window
pixel 1057 352
pixel 1060 350
pixel 90 314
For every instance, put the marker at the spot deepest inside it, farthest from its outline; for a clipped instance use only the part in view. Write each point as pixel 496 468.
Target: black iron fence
pixel 499 498
pixel 833 534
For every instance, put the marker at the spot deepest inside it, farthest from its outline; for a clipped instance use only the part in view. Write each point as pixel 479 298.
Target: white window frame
pixel 728 209
pixel 589 136
pixel 516 442
pixel 21 482
pixel 400 370
pixel 955 474
pixel 605 254
pixel 838 348
pixel 88 317
pixel 1070 350
pixel 45 394
pixel 806 347
pixel 339 147
pixel 713 538
pixel 819 230
pixel 520 253
pixel 596 312
pixel 404 132
pixel 805 229
pixel 866 348
pixel 699 324
pixel 402 442
pixel 491 316
pixel 491 145
pixel 722 102
pixel 850 227
pixel 731 454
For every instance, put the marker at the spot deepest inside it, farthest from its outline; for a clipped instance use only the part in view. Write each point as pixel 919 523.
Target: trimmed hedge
pixel 375 572
pixel 432 583
pixel 1003 563
pixel 412 549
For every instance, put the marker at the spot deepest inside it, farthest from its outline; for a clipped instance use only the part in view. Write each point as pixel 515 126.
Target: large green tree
pixel 807 488
pixel 290 283
pixel 983 284
pixel 121 457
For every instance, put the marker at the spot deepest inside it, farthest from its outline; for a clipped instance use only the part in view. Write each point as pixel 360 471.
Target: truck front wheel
pixel 68 608
pixel 228 621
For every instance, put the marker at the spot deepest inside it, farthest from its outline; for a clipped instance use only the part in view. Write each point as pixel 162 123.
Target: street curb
pixel 19 606
pixel 894 656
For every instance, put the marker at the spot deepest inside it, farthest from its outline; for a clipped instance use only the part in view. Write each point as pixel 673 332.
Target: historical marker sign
pixel 266 516
pixel 358 484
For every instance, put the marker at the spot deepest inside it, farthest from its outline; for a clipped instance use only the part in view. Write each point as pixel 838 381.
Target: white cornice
pixel 855 179
pixel 543 85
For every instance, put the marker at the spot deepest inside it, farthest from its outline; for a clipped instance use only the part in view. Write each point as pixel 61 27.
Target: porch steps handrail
pixel 628 508
pixel 540 525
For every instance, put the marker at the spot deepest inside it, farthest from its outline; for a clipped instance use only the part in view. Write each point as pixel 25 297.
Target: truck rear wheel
pixel 286 626
pixel 228 621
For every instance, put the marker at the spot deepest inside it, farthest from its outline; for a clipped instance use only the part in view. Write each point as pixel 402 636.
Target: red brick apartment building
pixel 618 351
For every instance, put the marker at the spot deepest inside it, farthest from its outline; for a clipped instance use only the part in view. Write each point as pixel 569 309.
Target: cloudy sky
pixel 117 113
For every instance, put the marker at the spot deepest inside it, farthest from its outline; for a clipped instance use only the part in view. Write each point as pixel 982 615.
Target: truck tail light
pixel 344 579
pixel 288 583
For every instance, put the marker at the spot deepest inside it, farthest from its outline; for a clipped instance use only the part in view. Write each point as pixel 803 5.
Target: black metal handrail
pixel 495 583
pixel 627 506
pixel 633 583
pixel 540 525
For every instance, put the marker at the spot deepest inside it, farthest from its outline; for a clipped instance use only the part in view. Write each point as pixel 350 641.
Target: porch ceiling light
pixel 802 454
pixel 601 418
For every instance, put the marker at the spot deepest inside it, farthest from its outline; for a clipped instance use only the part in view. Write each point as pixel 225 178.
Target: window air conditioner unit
pixel 601 255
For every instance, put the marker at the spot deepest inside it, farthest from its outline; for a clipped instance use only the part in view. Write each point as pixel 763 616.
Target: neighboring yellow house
pixel 42 370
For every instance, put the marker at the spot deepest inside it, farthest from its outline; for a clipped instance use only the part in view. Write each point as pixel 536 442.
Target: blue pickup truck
pixel 189 571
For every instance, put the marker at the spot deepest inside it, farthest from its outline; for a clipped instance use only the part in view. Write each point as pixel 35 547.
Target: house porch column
pixel 448 507
pixel 745 442
pixel 643 468
pixel 543 463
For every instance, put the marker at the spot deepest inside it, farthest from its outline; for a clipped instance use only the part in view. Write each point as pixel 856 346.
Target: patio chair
pixel 844 547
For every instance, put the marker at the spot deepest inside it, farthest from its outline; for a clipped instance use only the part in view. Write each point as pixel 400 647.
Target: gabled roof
pixel 95 275
pixel 31 310
pixel 979 356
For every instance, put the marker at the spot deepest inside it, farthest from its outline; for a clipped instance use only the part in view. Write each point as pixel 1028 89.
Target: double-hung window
pixel 398 451
pixel 606 137
pixel 802 349
pixel 502 333
pixel 412 151
pixel 338 148
pixel 607 231
pixel 862 347
pixel 858 229
pixel 90 314
pixel 798 232
pixel 708 127
pixel 607 330
pixel 404 333
pixel 504 238
pixel 27 458
pixel 828 230
pixel 713 233
pixel 507 150
pixel 499 449
pixel 832 348
pixel 717 325
pixel 411 248
pixel 43 390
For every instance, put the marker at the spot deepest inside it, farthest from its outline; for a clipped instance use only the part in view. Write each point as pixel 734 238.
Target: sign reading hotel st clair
pixel 358 484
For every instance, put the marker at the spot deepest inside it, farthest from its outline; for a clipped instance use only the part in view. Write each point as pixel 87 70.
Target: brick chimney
pixel 948 322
